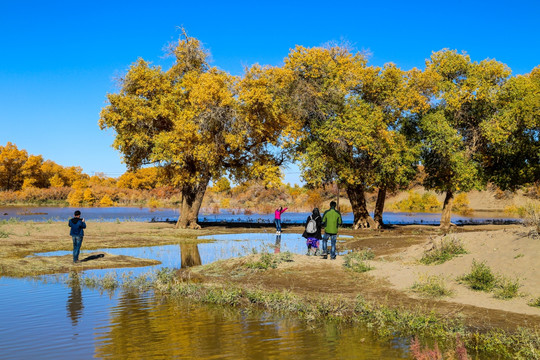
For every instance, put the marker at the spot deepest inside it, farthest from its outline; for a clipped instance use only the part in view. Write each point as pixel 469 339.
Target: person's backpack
pixel 311 227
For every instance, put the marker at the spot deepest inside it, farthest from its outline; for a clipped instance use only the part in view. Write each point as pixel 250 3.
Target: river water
pixel 146 214
pixel 59 321
pixel 55 317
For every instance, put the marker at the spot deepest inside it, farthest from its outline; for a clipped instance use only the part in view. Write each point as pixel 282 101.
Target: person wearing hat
pixel 77 233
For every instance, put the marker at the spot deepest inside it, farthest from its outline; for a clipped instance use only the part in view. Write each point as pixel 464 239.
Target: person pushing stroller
pixel 312 232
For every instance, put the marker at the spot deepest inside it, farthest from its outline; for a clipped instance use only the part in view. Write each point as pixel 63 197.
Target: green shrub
pixel 480 278
pixel 431 286
pixel 448 248
pixel 270 261
pixel 535 302
pixel 506 288
pixel 3 234
pixel 355 260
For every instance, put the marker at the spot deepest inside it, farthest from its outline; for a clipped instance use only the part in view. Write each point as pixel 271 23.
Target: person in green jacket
pixel 331 220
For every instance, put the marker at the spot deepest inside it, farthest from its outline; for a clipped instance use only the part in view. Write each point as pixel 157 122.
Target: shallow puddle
pixel 222 247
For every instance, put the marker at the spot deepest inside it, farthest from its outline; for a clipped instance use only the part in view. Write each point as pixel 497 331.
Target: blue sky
pixel 58 60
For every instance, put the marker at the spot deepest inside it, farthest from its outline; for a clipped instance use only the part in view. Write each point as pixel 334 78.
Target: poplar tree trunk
pixel 192 197
pixel 379 207
pixel 446 215
pixel 357 197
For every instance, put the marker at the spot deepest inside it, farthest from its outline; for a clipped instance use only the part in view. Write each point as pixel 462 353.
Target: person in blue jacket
pixel 77 225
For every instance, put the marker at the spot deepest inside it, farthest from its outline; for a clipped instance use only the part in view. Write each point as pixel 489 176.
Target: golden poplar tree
pixel 192 120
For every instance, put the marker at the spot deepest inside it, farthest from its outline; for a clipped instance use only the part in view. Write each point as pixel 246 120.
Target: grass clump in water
pixel 448 248
pixel 355 260
pixel 480 278
pixel 431 286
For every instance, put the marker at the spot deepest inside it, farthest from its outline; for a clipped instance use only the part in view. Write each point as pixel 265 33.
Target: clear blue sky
pixel 58 59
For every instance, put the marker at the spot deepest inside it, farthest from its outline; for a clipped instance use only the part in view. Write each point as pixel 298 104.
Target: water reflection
pixel 74 302
pixel 277 246
pixel 189 255
pixel 146 327
pixel 126 325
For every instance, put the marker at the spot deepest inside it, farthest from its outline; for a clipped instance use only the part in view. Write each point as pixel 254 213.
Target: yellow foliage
pixel 56 181
pixel 314 198
pixel 72 174
pixel 75 197
pixel 79 184
pixel 223 184
pixel 154 203
pixel 28 183
pixel 225 203
pixel 416 202
pixel 12 161
pixel 88 196
pixel 461 204
pixel 106 201
pixel 144 178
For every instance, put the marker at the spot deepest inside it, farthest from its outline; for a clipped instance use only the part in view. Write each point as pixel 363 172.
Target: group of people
pixel 330 221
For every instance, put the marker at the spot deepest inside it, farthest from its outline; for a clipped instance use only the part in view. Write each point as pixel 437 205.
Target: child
pixel 312 232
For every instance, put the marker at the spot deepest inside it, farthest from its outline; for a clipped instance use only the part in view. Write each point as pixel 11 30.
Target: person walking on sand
pixel 312 232
pixel 331 220
pixel 277 219
pixel 77 225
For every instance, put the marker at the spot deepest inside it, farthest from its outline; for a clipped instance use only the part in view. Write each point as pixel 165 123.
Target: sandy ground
pixel 510 253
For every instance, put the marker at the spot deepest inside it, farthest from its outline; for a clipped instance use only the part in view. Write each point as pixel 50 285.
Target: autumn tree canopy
pixel 453 132
pixel 194 121
pixel 350 117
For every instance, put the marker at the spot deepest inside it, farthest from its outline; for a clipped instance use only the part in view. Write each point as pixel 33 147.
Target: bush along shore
pixel 387 322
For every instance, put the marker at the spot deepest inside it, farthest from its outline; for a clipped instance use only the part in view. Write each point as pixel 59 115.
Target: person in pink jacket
pixel 277 218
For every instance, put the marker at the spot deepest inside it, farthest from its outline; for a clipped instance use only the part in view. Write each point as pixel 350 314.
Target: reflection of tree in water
pixel 190 255
pixel 74 303
pixel 132 331
pixel 145 327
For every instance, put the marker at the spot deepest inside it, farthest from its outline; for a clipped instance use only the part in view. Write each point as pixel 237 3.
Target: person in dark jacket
pixel 313 237
pixel 77 225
